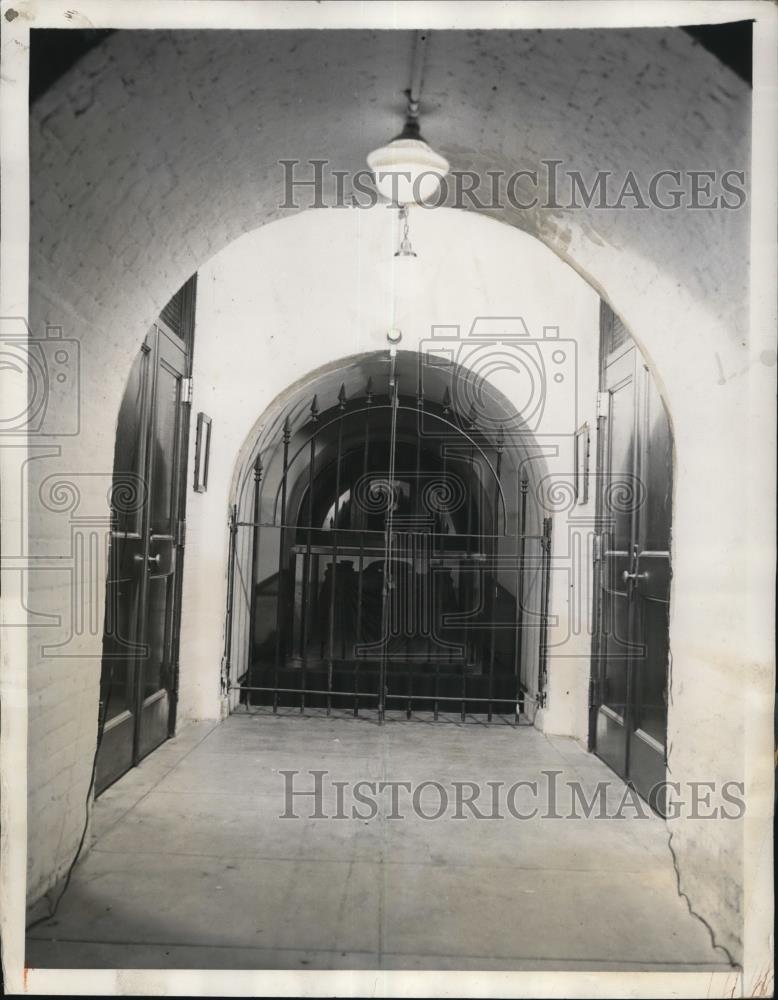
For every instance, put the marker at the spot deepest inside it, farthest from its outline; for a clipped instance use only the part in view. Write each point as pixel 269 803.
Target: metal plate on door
pixel 653 575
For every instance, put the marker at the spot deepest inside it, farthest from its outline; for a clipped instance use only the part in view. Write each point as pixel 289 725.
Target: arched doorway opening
pixel 603 692
pixel 388 551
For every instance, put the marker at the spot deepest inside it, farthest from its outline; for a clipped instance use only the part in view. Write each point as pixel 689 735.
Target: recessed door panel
pixel 617 540
pixel 651 593
pixel 166 446
pixel 630 671
pixel 122 638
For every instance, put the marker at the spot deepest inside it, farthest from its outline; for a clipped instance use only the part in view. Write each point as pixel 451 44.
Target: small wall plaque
pixel 202 452
pixel 581 471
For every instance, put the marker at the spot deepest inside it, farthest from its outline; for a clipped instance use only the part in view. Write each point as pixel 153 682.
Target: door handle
pixel 626 575
pixel 152 562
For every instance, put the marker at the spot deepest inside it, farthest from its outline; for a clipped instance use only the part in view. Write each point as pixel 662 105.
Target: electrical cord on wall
pixel 88 810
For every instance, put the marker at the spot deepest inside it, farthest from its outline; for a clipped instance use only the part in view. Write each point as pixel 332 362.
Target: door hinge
pixel 187 390
pixel 181 538
pixel 597 548
pixel 602 404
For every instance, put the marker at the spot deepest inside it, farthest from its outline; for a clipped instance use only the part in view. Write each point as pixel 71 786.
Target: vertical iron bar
pixel 407 613
pixel 362 530
pixel 334 562
pixel 493 581
pixel 388 585
pixel 543 666
pixel 281 564
pixel 254 562
pixel 519 632
pixel 358 630
pixel 414 599
pixel 227 657
pixel 307 566
pixel 471 572
pixel 470 591
pixel 480 545
pixel 434 596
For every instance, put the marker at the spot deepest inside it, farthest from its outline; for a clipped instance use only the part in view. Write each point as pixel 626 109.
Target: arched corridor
pixel 445 497
pixel 409 528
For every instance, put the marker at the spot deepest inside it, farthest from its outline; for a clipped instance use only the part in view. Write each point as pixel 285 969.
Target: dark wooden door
pixel 160 560
pixel 630 673
pixel 140 648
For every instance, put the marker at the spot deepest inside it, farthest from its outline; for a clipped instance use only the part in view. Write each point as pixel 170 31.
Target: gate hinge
pixel 187 390
pixel 597 548
pixel 602 404
pixel 181 538
pixel 598 691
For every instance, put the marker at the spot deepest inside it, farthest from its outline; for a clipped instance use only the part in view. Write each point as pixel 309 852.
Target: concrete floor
pixel 191 865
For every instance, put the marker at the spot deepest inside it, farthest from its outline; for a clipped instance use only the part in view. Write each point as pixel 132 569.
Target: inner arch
pixel 388 538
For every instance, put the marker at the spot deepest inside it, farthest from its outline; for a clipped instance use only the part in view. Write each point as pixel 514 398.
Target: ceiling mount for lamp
pixel 408 171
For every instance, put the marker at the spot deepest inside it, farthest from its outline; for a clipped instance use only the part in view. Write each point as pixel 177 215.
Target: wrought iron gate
pixel 391 566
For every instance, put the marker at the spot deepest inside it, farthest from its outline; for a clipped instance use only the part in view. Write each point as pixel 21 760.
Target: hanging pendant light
pixel 407 171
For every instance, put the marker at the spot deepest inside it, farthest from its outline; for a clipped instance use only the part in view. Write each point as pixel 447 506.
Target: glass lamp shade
pixel 407 171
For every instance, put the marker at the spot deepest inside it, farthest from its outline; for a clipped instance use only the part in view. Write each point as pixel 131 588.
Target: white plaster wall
pixel 298 294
